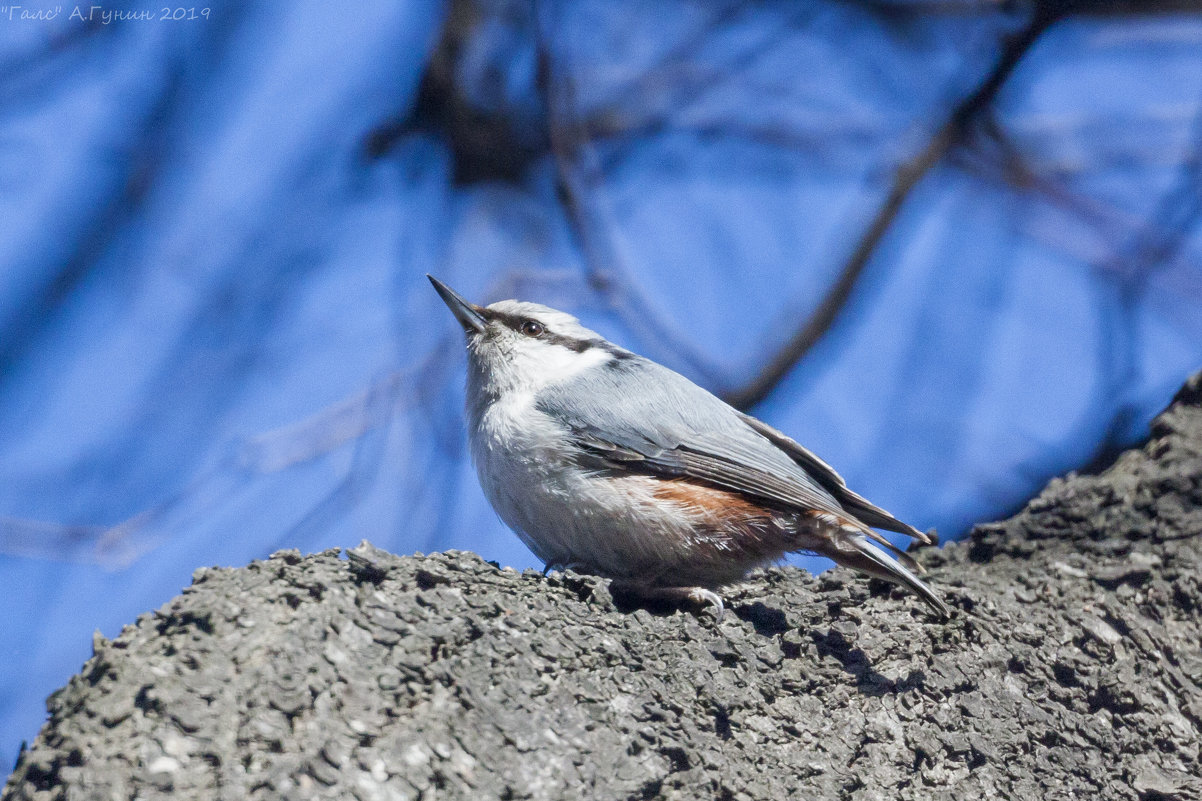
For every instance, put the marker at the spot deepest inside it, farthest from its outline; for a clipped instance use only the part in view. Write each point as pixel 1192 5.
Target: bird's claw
pixel 702 596
pixel 697 595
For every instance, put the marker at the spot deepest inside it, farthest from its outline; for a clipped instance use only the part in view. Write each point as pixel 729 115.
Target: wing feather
pixel 676 429
pixel 859 506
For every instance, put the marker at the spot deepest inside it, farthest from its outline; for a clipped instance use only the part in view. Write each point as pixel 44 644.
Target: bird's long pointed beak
pixel 468 314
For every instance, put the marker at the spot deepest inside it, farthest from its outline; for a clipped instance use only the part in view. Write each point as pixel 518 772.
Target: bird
pixel 608 463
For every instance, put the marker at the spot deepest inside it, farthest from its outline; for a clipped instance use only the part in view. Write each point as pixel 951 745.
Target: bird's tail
pixel 851 547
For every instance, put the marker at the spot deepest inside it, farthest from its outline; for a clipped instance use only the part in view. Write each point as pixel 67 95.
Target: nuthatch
pixel 611 464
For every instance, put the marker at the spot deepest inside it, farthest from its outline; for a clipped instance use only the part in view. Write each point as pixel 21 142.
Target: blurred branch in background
pixel 906 177
pixel 577 176
pixel 350 421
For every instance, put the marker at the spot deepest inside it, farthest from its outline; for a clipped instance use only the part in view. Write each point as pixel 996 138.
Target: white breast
pixel 564 514
pixel 518 453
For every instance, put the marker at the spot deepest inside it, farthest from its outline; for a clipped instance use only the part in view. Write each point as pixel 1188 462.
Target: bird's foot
pixel 697 595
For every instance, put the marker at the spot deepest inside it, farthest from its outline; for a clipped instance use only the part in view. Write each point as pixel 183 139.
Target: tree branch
pixel 1071 669
pixel 905 179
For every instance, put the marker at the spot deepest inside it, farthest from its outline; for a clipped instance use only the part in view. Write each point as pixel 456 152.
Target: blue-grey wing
pixel 633 415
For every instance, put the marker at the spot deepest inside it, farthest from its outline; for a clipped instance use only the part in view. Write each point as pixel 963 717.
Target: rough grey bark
pixel 1072 669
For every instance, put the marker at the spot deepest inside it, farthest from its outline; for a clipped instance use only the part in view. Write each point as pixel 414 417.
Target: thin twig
pixel 905 179
pixel 603 265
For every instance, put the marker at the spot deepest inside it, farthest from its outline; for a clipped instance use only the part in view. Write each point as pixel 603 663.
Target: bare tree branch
pixel 1070 669
pixel 603 265
pixel 905 179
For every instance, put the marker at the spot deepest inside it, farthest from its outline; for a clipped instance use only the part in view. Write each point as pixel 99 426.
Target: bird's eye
pixel 533 328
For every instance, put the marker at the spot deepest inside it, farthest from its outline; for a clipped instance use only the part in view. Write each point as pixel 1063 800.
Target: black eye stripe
pixel 515 322
pixel 578 345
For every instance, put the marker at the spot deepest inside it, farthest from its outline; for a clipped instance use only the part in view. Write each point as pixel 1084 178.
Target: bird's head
pixel 517 346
